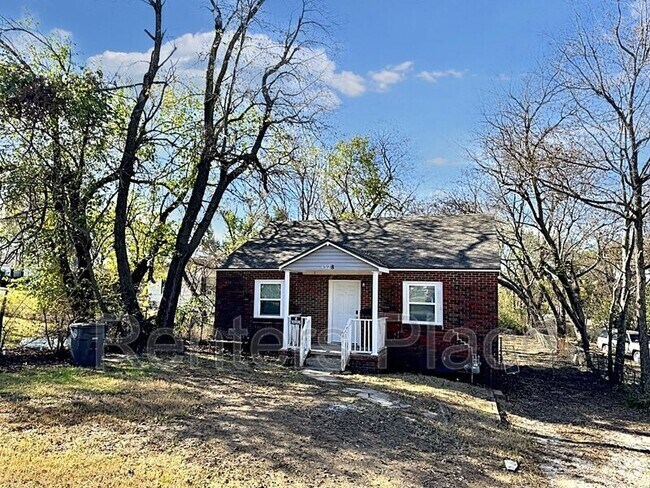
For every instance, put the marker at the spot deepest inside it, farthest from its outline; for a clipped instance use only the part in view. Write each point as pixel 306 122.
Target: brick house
pixel 412 293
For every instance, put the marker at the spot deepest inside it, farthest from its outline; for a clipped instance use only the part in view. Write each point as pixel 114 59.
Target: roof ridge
pixel 368 219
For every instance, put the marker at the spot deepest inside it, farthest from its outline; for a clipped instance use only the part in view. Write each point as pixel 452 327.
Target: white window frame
pixel 438 303
pixel 258 298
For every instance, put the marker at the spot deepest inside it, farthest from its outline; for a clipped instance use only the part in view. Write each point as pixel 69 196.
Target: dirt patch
pixel 198 423
pixel 586 432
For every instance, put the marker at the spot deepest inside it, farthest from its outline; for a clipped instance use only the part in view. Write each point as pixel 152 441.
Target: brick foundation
pixel 287 356
pixel 367 364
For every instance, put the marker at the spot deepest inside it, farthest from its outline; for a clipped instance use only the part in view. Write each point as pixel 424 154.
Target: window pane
pixel 422 313
pixel 270 307
pixel 270 290
pixel 418 293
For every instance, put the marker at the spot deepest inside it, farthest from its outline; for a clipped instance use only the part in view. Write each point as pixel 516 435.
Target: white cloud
pixel 405 66
pixel 346 82
pixel 434 76
pixel 437 161
pixel 390 75
pixel 187 58
pixel 61 34
pixel 188 61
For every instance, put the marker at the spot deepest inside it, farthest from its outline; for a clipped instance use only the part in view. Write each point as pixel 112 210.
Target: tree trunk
pixel 188 242
pixel 622 296
pixel 126 171
pixel 171 293
pixel 84 279
pixel 78 298
pixel 3 305
pixel 561 325
pixel 619 358
pixel 571 302
pixel 640 296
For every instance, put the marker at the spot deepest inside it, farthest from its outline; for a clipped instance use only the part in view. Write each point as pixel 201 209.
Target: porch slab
pixel 325 360
pixel 329 349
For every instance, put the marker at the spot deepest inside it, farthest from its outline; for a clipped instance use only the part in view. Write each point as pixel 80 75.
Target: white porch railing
pixel 346 345
pixel 300 336
pixel 294 331
pixel 365 337
pixel 361 335
pixel 305 340
pixel 381 334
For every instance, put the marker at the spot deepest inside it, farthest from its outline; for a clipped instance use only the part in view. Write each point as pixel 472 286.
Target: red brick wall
pixel 308 296
pixel 469 300
pixel 235 295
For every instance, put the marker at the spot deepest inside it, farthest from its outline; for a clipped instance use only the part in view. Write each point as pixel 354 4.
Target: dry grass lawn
pixel 196 423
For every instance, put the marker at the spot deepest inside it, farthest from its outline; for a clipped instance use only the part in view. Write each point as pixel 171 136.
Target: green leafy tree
pixel 63 133
pixel 57 127
pixel 366 177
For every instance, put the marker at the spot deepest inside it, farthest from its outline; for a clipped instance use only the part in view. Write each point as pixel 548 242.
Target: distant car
pixel 41 343
pixel 36 343
pixel 632 345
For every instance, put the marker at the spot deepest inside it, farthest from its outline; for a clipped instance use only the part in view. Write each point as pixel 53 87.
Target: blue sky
pixel 425 67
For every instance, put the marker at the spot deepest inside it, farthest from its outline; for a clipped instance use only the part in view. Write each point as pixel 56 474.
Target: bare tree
pixel 585 140
pixel 551 237
pixel 468 196
pixel 363 177
pixel 256 90
pixel 297 189
pixel 134 140
pixel 605 71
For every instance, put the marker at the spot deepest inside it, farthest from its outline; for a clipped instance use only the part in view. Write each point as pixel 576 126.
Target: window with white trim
pixel 268 299
pixel 422 302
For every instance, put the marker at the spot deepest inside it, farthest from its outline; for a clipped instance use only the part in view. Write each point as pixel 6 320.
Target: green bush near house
pixel 508 322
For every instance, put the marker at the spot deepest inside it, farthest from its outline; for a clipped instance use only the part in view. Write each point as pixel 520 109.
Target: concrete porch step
pixel 317 351
pixel 327 361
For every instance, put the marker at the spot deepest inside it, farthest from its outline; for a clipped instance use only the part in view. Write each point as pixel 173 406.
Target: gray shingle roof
pixel 458 242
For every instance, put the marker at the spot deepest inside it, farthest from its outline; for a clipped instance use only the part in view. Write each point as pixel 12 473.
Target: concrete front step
pixel 315 351
pixel 325 361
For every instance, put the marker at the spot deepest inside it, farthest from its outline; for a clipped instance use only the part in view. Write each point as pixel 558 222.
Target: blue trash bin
pixel 87 344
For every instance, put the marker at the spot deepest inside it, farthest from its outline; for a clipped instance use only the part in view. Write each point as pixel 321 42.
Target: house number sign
pixel 327 266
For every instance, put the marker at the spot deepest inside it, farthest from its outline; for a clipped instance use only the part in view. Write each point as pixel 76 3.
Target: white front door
pixel 344 304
